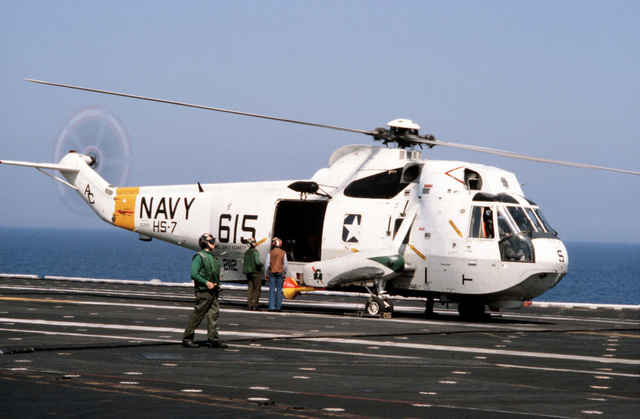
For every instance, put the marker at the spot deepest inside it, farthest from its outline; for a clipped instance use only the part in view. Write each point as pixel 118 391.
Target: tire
pixel 374 306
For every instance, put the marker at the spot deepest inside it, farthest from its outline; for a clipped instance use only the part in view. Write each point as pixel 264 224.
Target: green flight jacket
pixel 204 268
pixel 252 263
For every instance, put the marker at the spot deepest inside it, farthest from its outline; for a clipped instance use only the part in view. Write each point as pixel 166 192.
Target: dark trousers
pixel 206 304
pixel 254 283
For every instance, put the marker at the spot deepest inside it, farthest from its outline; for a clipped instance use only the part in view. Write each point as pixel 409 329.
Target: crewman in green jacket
pixel 205 272
pixel 253 270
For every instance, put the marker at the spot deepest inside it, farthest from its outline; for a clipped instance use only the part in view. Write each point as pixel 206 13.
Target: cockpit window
pixel 506 226
pixel 481 225
pixel 534 219
pixel 544 221
pixel 503 197
pixel 515 244
pixel 515 219
pixel 520 218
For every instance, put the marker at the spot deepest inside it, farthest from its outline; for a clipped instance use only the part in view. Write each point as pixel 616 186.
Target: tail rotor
pixel 99 134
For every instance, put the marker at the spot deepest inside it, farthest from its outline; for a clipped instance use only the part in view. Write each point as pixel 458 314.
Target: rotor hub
pixel 404 132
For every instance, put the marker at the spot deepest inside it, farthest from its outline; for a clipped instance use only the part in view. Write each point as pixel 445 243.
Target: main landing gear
pixel 377 305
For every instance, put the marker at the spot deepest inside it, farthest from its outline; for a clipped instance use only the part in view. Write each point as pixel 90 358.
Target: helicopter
pixel 379 219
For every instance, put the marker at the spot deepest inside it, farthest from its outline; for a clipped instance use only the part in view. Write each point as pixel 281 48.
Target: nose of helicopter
pixel 552 253
pixel 551 265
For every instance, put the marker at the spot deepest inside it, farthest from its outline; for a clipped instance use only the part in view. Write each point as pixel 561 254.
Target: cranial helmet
pixel 206 238
pixel 276 242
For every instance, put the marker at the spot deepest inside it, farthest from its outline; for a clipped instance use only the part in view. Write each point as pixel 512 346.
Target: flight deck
pixel 77 348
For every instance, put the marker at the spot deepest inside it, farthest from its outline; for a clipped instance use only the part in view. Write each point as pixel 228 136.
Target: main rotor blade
pixel 190 105
pixel 514 155
pixel 372 133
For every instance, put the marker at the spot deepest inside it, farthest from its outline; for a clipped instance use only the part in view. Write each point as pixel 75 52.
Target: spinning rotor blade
pixel 99 134
pixel 378 134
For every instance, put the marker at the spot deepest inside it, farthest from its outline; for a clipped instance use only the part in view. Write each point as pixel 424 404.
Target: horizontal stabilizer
pixel 48 166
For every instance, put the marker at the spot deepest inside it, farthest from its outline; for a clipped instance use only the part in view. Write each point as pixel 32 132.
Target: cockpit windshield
pixel 544 221
pixel 516 231
pixel 534 219
pixel 506 225
pixel 521 219
pixel 518 225
pixel 516 219
pixel 513 217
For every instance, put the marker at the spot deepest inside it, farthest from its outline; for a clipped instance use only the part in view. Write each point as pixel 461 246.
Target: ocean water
pixel 603 273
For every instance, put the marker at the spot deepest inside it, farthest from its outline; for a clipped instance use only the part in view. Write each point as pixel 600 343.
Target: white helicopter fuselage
pixel 385 219
pixel 379 218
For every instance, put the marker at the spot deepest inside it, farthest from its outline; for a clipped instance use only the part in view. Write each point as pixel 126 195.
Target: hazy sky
pixel 555 79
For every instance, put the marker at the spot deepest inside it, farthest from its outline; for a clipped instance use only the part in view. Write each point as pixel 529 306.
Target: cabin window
pixel 481 225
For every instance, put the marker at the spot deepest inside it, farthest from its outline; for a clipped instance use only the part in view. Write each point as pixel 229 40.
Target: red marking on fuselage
pixel 453 177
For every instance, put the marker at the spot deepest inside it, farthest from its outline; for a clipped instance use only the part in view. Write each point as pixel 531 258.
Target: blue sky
pixel 555 79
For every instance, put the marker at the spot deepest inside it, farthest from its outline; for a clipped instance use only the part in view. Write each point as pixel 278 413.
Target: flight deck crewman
pixel 276 267
pixel 205 272
pixel 252 269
